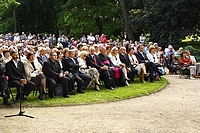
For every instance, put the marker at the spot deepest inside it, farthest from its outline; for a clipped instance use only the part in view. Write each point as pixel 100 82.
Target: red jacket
pixel 185 61
pixel 103 39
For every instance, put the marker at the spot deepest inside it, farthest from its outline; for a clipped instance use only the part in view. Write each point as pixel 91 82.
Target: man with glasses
pixel 55 75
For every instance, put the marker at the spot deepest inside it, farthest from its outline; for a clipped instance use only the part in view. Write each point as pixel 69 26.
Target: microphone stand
pixel 21 113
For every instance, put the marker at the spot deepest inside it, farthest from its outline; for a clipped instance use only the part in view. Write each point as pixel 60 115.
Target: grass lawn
pixel 91 96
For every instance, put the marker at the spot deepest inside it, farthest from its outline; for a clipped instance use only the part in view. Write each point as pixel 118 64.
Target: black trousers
pixel 70 83
pixel 82 80
pixel 106 76
pixel 132 73
pixel 51 84
pixel 25 88
pixel 4 86
pixel 151 67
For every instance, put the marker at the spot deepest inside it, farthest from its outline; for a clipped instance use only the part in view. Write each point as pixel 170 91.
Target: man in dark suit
pixel 17 78
pixel 123 56
pixel 93 61
pixel 115 72
pixel 150 66
pixel 72 65
pixel 55 75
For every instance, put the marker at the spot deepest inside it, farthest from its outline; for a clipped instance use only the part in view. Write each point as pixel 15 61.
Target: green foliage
pixel 6 3
pixel 104 95
pixel 37 16
pixel 97 16
pixel 6 19
pixel 168 22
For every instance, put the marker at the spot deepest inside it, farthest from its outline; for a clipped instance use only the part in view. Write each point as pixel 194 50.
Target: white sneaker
pixel 192 78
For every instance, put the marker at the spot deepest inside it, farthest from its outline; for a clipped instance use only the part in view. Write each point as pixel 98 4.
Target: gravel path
pixel 175 109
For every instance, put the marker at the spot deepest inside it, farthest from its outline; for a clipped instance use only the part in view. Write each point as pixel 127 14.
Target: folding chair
pixel 184 72
pixel 11 93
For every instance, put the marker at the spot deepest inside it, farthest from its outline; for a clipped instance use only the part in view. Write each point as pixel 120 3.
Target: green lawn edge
pixel 136 89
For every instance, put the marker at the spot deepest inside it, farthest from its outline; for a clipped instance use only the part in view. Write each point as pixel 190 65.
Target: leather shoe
pixel 152 81
pixel 66 96
pixel 111 88
pixel 80 91
pixel 97 87
pixel 98 84
pixel 45 93
pixel 41 98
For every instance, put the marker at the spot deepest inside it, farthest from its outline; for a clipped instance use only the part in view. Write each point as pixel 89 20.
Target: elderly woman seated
pixel 92 72
pixel 187 62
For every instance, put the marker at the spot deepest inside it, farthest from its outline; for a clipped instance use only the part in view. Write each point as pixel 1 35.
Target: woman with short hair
pixel 33 71
pixel 91 71
pixel 186 62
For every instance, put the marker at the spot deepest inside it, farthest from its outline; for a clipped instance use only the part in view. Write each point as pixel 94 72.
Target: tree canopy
pixel 98 16
pixel 165 21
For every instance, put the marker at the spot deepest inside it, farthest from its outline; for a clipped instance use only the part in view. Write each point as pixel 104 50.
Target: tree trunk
pixel 66 30
pixel 126 20
pixel 14 17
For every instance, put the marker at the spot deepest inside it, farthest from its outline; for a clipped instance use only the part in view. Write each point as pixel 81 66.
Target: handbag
pixel 58 90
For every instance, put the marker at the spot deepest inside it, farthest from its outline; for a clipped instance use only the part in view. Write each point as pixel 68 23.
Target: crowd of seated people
pixel 179 60
pixel 37 62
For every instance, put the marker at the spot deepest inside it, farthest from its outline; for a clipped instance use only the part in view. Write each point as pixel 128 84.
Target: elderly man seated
pixel 116 72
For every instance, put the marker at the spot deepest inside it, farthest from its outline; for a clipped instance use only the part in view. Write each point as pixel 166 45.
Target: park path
pixel 175 109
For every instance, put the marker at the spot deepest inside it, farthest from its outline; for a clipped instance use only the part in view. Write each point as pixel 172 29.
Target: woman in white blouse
pixel 152 55
pixel 92 72
pixel 153 58
pixel 117 63
pixel 135 64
